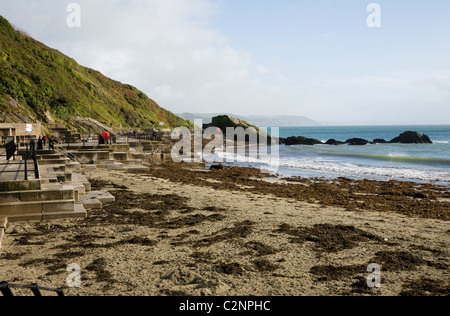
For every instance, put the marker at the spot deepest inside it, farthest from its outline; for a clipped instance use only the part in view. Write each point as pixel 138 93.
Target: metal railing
pixel 30 152
pixel 5 289
pixel 129 138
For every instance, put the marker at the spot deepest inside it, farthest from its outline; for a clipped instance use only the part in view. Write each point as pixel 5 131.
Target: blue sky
pixel 316 58
pixel 331 38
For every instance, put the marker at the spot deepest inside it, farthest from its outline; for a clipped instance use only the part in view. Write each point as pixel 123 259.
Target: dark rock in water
pixel 380 141
pixel 334 142
pixel 300 140
pixel 217 167
pixel 412 138
pixel 358 142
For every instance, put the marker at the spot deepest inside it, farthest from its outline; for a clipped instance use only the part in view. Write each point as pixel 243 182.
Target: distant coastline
pixel 258 120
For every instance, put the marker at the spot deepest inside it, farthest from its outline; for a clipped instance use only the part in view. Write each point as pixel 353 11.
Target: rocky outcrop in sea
pixel 404 138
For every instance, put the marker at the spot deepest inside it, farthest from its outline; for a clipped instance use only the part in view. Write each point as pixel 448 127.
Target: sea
pixel 409 162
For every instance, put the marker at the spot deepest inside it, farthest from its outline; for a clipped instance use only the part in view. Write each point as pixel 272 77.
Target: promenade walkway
pixel 14 170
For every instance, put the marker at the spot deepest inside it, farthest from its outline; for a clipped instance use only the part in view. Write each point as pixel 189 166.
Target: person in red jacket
pixel 106 136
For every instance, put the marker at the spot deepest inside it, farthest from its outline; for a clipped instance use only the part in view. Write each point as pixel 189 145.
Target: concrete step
pixel 88 157
pixel 104 162
pixel 146 158
pixel 75 166
pixel 78 212
pixel 79 190
pixel 62 193
pixel 6 186
pixel 45 152
pixel 103 196
pixel 24 209
pixel 119 156
pixel 133 162
pixel 2 233
pixel 96 199
pixel 137 155
pixel 49 180
pixel 3 224
pixel 88 167
pixel 60 161
pixel 65 176
pixel 49 156
pixel 135 167
pixel 23 151
pixel 81 185
pixel 78 178
pixel 90 204
pixel 121 147
pixel 111 166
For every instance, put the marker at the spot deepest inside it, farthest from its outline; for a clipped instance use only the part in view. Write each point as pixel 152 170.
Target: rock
pixel 412 138
pixel 183 276
pixel 300 140
pixel 380 141
pixel 334 142
pixel 251 131
pixel 214 287
pixel 357 142
pixel 217 167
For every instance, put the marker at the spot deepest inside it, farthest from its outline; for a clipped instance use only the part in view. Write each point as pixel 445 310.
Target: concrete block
pixel 89 167
pixel 9 197
pixel 87 157
pixel 135 167
pixel 115 166
pixel 133 162
pixel 58 206
pixel 3 222
pixel 78 212
pixel 45 152
pixel 68 176
pixel 60 161
pixel 68 194
pixel 49 156
pixel 25 218
pixel 74 166
pixel 154 159
pixel 120 156
pixel 103 197
pixel 45 195
pixel 6 186
pixel 87 186
pixel 61 178
pixel 80 188
pixel 121 147
pixel 2 233
pixel 17 209
pixel 76 195
pixel 90 204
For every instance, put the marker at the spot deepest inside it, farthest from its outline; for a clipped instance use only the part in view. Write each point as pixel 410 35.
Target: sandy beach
pixel 178 231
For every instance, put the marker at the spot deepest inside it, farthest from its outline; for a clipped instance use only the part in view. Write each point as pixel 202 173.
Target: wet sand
pixel 179 231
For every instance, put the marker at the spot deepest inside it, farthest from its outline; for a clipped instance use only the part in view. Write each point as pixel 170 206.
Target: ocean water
pixel 415 162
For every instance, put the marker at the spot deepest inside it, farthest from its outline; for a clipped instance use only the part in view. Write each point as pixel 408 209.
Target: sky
pixel 315 58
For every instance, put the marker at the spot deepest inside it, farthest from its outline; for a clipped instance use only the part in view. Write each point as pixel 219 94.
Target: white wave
pixel 340 168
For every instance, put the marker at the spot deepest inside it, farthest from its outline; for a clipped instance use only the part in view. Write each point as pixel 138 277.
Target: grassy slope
pixel 41 84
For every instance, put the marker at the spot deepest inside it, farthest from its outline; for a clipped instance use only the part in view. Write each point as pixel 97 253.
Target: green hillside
pixel 38 83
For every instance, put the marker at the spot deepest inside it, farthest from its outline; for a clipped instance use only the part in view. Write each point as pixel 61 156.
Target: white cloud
pixel 167 49
pixel 404 97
